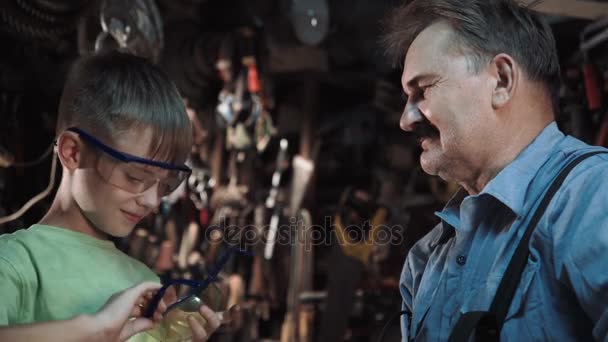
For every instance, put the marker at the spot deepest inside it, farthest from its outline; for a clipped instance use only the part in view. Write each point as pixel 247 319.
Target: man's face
pixel 447 104
pixel 108 207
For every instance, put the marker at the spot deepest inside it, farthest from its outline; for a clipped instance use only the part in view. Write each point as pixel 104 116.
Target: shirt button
pixel 461 260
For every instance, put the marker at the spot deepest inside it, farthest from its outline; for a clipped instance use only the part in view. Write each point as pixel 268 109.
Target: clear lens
pixel 137 178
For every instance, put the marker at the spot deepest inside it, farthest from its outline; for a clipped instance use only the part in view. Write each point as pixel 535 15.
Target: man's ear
pixel 69 150
pixel 507 75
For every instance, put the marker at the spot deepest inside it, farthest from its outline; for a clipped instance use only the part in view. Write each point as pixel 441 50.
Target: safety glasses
pixel 132 173
pixel 192 295
pixel 196 291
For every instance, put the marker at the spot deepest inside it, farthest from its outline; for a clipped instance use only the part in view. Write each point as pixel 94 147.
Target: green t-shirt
pixel 50 273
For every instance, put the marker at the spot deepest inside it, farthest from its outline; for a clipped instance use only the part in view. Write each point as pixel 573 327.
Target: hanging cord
pixel 35 161
pixel 36 198
pixel 388 323
pixel 8 160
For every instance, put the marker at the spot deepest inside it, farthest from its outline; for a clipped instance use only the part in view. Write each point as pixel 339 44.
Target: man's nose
pixel 411 115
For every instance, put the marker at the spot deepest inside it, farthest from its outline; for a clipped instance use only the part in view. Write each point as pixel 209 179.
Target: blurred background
pixel 298 155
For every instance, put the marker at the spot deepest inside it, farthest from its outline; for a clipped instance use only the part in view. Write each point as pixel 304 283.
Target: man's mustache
pixel 425 129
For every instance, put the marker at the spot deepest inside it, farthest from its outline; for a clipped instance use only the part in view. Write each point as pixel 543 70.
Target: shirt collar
pixel 451 212
pixel 510 185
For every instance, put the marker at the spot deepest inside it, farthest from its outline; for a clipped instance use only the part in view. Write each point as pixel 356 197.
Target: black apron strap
pixel 487 324
pixel 483 323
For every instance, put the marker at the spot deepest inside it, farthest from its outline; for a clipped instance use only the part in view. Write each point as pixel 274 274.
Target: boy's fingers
pixel 135 312
pixel 170 295
pixel 198 332
pixel 135 326
pixel 212 318
pixel 162 306
pixel 133 294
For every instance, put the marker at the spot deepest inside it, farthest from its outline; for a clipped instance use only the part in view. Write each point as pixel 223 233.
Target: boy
pixel 122 138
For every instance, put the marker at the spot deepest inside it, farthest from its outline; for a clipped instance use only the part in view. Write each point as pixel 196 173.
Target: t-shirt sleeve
pixel 11 283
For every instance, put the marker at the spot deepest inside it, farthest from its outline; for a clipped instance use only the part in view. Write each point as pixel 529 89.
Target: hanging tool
pixel 271 201
pixel 356 227
pixel 301 263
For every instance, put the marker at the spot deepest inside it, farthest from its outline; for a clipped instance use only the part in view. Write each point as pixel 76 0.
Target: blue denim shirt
pixel 563 293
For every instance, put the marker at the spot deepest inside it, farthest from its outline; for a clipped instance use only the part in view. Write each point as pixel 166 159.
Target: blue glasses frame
pixel 196 286
pixel 125 157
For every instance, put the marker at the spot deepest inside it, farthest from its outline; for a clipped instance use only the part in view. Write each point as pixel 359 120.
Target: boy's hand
pixel 122 315
pixel 200 333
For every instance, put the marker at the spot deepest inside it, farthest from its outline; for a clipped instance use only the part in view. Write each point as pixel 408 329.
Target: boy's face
pixel 107 207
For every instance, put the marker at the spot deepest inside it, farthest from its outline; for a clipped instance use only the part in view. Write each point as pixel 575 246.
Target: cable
pixel 36 198
pixel 8 160
pixel 388 323
pixel 35 161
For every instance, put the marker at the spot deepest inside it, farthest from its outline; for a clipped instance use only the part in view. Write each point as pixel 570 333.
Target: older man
pixel 481 78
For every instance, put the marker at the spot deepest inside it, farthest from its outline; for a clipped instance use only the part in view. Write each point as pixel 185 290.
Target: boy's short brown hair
pixel 114 93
